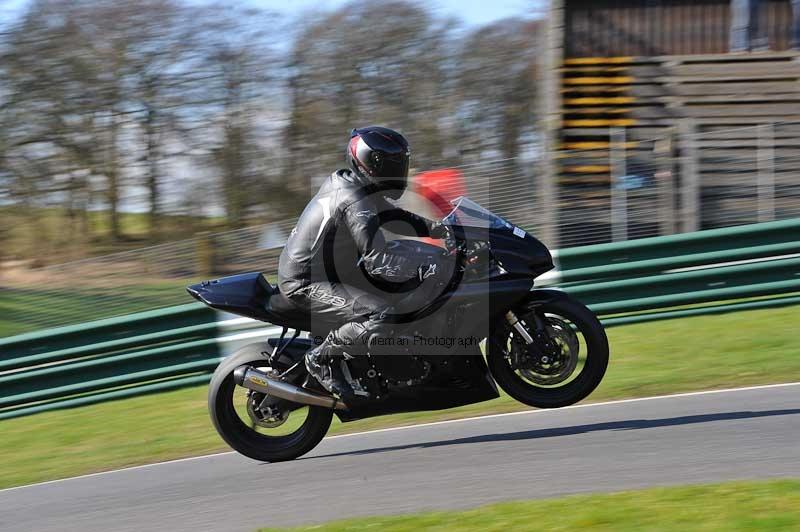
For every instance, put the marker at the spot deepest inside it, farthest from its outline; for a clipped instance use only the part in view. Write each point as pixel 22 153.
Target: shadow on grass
pixel 632 424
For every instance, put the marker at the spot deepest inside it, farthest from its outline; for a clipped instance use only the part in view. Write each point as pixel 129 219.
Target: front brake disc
pixel 562 355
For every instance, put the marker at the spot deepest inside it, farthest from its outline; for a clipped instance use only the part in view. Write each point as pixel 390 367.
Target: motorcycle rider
pixel 341 225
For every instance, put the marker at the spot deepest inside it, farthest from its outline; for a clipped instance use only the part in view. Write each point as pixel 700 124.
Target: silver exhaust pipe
pixel 252 379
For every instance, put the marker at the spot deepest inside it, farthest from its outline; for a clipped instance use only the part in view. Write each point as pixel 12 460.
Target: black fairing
pixel 252 296
pixel 520 256
pixel 244 294
pixel 456 380
pixel 498 294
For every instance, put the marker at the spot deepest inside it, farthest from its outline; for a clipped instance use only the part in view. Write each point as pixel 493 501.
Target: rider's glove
pixel 444 232
pixel 438 230
pixel 426 270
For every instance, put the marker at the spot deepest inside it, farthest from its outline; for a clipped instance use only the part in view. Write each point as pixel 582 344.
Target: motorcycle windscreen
pixel 468 213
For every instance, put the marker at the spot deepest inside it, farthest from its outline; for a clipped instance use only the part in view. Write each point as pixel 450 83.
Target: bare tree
pixel 497 86
pixel 240 80
pixel 173 106
pixel 68 101
pixel 159 68
pixel 365 64
pixel 107 92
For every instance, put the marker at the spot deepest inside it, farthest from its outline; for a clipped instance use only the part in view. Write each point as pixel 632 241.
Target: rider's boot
pixel 324 363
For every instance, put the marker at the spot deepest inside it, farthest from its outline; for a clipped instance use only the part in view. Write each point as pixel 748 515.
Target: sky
pixel 472 12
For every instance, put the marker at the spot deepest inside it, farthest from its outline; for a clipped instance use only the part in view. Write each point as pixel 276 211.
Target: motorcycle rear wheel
pixel 243 437
pixel 564 314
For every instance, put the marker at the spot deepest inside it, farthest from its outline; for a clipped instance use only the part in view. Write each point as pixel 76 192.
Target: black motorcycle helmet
pixel 381 156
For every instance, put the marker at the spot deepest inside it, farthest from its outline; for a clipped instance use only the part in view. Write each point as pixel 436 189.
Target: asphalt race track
pixel 739 434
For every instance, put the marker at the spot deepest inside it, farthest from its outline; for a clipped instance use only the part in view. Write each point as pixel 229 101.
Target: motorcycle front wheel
pixel 261 428
pixel 566 361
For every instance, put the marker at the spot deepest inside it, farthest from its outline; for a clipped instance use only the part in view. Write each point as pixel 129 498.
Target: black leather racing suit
pixel 340 228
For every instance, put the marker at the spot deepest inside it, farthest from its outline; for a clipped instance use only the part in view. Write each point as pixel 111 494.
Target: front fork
pixel 514 321
pixel 518 326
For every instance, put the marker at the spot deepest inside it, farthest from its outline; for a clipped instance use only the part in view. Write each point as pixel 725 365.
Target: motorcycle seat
pixel 282 311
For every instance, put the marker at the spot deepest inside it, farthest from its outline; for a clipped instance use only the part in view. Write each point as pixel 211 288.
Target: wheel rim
pixel 558 356
pixel 267 416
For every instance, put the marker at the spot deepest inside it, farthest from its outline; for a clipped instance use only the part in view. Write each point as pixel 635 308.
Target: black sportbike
pixel 488 324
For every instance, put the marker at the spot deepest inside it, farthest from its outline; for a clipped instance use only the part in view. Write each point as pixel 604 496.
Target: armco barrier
pixel 626 282
pixel 739 241
pixel 131 355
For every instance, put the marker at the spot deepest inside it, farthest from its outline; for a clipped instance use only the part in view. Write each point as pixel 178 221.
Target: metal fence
pixel 630 187
pixel 681 179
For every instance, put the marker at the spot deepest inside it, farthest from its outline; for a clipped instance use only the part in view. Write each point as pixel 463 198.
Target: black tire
pixel 572 391
pixel 244 439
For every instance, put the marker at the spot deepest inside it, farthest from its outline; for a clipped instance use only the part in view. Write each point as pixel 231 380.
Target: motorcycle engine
pixel 400 370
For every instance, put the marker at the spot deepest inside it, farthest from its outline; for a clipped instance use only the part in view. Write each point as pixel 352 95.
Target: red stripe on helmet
pixel 354 153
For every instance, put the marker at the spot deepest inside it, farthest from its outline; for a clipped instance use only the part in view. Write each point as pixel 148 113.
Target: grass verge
pixel 745 348
pixel 29 309
pixel 763 506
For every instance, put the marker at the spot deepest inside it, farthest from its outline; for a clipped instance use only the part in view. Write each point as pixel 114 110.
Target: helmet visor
pixel 393 167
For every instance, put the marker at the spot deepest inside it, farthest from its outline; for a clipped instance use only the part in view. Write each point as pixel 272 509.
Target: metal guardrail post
pixel 548 189
pixel 690 178
pixel 665 181
pixel 619 195
pixel 205 254
pixel 766 173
